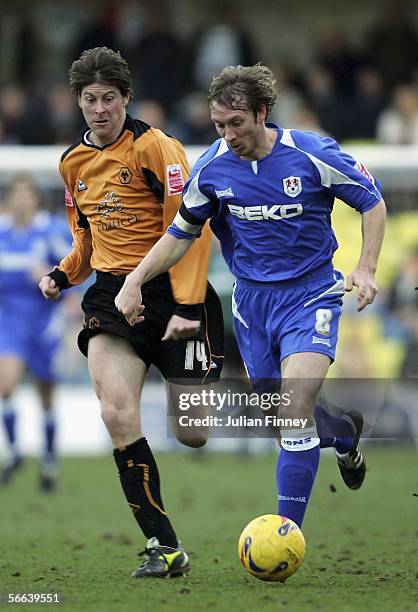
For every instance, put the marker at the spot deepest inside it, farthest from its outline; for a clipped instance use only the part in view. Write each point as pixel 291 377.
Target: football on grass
pixel 271 547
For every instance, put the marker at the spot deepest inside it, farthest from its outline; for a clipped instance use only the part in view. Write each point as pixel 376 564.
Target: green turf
pixel 361 546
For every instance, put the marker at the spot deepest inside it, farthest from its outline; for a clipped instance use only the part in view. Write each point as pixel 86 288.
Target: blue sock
pixel 9 423
pixel 50 427
pixel 333 431
pixel 296 471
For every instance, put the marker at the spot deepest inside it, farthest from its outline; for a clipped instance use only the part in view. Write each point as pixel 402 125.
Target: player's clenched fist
pixel 49 288
pixel 129 303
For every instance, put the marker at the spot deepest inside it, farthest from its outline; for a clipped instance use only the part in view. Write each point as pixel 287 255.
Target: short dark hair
pixel 244 88
pixel 100 65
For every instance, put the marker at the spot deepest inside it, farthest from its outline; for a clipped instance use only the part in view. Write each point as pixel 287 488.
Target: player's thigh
pixel 116 371
pixel 309 324
pixel 250 308
pixel 12 368
pixel 302 376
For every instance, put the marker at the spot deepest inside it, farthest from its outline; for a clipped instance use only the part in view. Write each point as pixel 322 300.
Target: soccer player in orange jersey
pixel 123 181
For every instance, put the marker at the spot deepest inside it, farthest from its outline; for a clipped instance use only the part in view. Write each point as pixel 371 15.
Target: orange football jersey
pixel 120 200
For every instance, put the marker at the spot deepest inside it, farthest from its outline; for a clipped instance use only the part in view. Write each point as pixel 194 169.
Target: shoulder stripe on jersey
pixel 70 148
pixel 154 184
pixel 329 175
pixel 136 126
pixel 287 139
pixel 193 196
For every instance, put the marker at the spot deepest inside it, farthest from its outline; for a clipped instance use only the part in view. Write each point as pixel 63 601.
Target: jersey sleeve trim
pixel 60 278
pixel 185 226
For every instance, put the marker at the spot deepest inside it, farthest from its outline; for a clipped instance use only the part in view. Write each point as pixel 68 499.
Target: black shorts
pixel 198 358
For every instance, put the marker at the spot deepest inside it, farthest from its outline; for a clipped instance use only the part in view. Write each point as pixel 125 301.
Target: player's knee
pixel 112 416
pixel 194 439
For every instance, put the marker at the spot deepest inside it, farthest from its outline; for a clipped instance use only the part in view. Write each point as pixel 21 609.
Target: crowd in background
pixel 362 92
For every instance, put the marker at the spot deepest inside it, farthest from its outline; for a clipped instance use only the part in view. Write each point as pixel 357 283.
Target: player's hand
pixel 364 280
pixel 129 302
pixel 49 288
pixel 179 329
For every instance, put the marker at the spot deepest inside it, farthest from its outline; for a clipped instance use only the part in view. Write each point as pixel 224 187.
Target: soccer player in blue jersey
pixel 269 194
pixel 30 327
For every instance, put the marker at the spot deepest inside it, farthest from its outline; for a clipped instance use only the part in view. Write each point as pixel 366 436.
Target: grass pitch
pixel 362 546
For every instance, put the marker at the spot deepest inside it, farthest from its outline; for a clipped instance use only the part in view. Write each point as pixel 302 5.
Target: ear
pixel 127 98
pixel 262 114
pixel 79 100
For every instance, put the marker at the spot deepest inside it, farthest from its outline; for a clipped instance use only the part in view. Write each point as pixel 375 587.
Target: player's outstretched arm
pixel 362 277
pixel 163 255
pixel 49 288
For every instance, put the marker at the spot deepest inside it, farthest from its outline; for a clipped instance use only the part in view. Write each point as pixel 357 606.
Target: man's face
pixel 239 128
pixel 103 108
pixel 23 200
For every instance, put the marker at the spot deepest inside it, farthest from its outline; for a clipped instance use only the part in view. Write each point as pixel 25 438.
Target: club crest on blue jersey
pixel 292 186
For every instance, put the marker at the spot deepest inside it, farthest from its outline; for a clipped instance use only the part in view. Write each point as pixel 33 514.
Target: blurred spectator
pixel 23 123
pixel 16 43
pixel 220 43
pixel 334 54
pixel 157 61
pixel 150 111
pixel 290 100
pixel 101 32
pixel 194 125
pixel 368 103
pixel 392 45
pixel 12 113
pixel 398 125
pixel 322 97
pixel 64 123
pixel 409 367
pixel 307 121
pixel 402 296
pixel 153 113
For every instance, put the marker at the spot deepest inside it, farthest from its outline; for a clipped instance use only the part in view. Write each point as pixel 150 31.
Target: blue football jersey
pixel 273 215
pixel 25 254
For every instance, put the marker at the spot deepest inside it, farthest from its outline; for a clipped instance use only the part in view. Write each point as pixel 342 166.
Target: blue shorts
pixel 275 320
pixel 34 342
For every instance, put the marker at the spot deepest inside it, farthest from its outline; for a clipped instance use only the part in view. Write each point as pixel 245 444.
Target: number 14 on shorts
pixel 195 349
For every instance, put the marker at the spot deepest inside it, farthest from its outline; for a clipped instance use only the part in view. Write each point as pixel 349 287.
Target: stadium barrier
pixel 396 166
